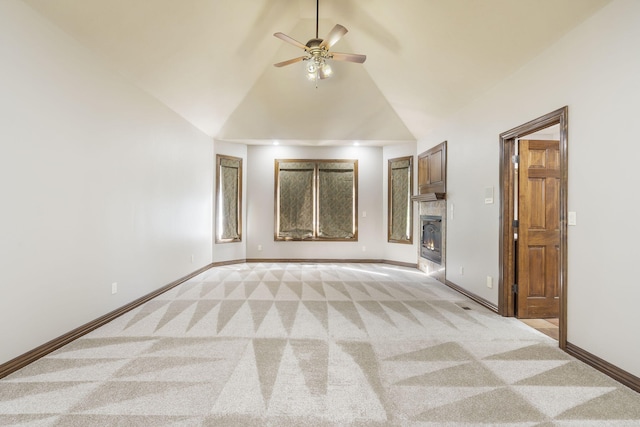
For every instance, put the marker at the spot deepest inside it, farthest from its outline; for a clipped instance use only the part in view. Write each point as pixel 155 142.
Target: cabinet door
pixel 432 170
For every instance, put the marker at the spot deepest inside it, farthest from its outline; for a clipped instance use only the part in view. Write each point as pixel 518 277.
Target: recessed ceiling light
pixel 276 143
pixel 356 143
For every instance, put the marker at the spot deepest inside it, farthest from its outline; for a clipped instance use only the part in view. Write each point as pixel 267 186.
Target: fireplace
pixel 431 242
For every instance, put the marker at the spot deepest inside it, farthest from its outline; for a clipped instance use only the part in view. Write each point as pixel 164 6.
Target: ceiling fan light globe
pixel 311 67
pixel 325 71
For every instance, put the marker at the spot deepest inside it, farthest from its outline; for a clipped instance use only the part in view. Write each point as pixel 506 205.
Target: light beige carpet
pixel 313 345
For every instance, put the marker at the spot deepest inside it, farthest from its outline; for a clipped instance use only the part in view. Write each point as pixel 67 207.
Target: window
pixel 228 199
pixel 316 200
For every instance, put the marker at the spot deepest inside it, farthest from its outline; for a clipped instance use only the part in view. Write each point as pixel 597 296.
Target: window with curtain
pixel 316 200
pixel 228 199
pixel 400 187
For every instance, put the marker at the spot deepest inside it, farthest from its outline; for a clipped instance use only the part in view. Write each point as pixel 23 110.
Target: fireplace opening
pixel 431 246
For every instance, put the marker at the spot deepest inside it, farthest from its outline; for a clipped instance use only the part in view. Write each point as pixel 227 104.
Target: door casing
pixel 507 260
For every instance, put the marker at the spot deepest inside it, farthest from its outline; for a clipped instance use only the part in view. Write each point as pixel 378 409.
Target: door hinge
pixel 515 223
pixel 515 159
pixel 514 288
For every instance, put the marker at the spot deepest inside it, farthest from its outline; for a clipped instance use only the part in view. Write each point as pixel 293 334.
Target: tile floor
pixel 549 327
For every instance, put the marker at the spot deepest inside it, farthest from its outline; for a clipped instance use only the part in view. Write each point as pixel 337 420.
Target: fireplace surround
pixel 434 268
pixel 431 198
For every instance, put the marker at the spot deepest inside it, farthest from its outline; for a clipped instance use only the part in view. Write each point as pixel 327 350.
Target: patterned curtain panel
pixel 335 200
pixel 316 199
pixel 229 174
pixel 229 177
pixel 296 201
pixel 401 199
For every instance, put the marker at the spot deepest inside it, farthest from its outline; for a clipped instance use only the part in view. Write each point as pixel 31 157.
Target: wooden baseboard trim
pixel 38 352
pixel 483 302
pixel 605 367
pixel 231 262
pixel 314 260
pixel 401 264
pixel 336 261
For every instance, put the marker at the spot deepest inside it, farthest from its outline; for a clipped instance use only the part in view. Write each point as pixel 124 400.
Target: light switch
pixel 571 219
pixel 488 195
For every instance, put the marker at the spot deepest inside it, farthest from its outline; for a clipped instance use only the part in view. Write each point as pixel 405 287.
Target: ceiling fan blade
pixel 288 39
pixel 334 35
pixel 290 61
pixel 350 57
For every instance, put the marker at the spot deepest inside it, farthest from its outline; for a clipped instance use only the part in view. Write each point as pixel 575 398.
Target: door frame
pixel 507 260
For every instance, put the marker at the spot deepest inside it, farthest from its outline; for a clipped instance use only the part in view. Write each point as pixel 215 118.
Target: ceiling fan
pixel 317 51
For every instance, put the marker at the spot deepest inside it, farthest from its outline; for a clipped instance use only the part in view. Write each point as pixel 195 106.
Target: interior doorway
pixel 533 223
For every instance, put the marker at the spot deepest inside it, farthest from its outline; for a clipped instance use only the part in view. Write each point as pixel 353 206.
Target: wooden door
pixel 538 230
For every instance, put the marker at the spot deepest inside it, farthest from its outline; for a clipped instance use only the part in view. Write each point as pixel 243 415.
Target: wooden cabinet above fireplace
pixel 432 173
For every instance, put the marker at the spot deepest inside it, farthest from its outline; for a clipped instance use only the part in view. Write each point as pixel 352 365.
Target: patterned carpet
pixel 313 345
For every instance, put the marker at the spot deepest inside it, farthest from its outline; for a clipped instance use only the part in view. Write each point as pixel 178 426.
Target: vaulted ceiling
pixel 211 61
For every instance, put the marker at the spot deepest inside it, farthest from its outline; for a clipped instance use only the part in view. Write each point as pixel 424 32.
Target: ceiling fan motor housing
pixel 315 51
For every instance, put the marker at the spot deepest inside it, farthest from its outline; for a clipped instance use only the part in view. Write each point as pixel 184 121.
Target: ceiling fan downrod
pixel 317 15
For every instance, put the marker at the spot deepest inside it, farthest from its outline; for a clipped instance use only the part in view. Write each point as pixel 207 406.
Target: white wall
pixel 260 204
pixel 99 183
pixel 232 251
pixel 400 252
pixel 594 70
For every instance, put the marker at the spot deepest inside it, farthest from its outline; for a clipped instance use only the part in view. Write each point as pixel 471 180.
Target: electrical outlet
pixel 364 249
pixel 259 247
pixel 364 214
pixel 462 271
pixel 114 288
pixel 489 282
pixel 193 258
